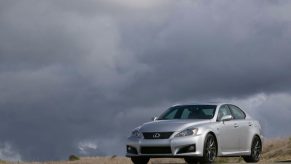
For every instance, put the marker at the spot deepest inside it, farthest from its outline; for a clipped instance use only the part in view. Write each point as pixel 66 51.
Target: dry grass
pixel 274 150
pixel 277 150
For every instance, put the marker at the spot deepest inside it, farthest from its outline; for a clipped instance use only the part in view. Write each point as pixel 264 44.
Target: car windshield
pixel 189 112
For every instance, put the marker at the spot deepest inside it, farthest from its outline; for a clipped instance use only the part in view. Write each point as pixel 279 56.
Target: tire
pixel 140 160
pixel 191 160
pixel 256 150
pixel 210 149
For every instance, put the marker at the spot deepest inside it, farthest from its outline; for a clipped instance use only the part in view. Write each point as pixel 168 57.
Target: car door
pixel 243 126
pixel 228 132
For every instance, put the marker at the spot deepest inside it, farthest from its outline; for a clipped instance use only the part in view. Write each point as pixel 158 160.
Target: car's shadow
pixel 286 161
pixel 166 163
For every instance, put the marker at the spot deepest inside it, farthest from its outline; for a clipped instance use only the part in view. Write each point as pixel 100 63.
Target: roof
pixel 201 103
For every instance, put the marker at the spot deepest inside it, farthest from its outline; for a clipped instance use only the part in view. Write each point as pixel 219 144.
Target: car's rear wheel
pixel 191 160
pixel 210 149
pixel 140 160
pixel 256 150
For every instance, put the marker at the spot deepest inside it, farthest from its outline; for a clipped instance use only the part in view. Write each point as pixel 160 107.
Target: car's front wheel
pixel 210 149
pixel 256 150
pixel 140 160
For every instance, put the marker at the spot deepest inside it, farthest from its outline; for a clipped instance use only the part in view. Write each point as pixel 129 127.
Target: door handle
pixel 236 125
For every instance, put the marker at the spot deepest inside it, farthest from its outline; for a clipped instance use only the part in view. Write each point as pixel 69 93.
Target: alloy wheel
pixel 257 147
pixel 210 148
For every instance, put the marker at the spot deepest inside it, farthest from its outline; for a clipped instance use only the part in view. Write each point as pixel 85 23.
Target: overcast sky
pixel 76 76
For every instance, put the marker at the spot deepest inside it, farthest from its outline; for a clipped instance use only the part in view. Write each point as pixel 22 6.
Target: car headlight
pixel 187 132
pixel 136 133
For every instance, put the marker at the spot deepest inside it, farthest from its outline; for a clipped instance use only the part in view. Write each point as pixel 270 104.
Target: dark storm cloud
pixel 233 54
pixel 76 77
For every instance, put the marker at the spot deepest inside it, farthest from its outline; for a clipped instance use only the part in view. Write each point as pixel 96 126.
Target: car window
pixel 171 114
pixel 189 112
pixel 185 114
pixel 208 112
pixel 237 112
pixel 223 111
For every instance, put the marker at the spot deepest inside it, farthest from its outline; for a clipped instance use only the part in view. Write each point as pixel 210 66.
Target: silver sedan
pixel 197 133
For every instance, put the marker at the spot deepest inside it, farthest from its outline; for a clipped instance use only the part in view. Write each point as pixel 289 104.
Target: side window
pixel 223 111
pixel 237 112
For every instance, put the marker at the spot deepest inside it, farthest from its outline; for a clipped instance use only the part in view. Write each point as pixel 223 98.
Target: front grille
pixel 156 150
pixel 157 135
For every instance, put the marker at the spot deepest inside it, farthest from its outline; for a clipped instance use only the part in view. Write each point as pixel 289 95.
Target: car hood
pixel 170 125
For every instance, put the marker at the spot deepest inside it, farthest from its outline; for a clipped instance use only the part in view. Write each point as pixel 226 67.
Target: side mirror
pixel 154 118
pixel 226 118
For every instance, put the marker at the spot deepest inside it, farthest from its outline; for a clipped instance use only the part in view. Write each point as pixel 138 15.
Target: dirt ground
pixel 274 150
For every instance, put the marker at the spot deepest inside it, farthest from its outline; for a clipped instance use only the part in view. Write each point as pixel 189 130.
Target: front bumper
pixel 172 147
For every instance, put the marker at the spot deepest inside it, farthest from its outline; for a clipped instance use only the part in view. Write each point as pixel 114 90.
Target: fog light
pixel 191 148
pixel 131 150
pixel 187 149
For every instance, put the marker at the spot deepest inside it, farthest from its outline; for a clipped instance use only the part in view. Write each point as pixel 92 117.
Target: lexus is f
pixel 197 133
